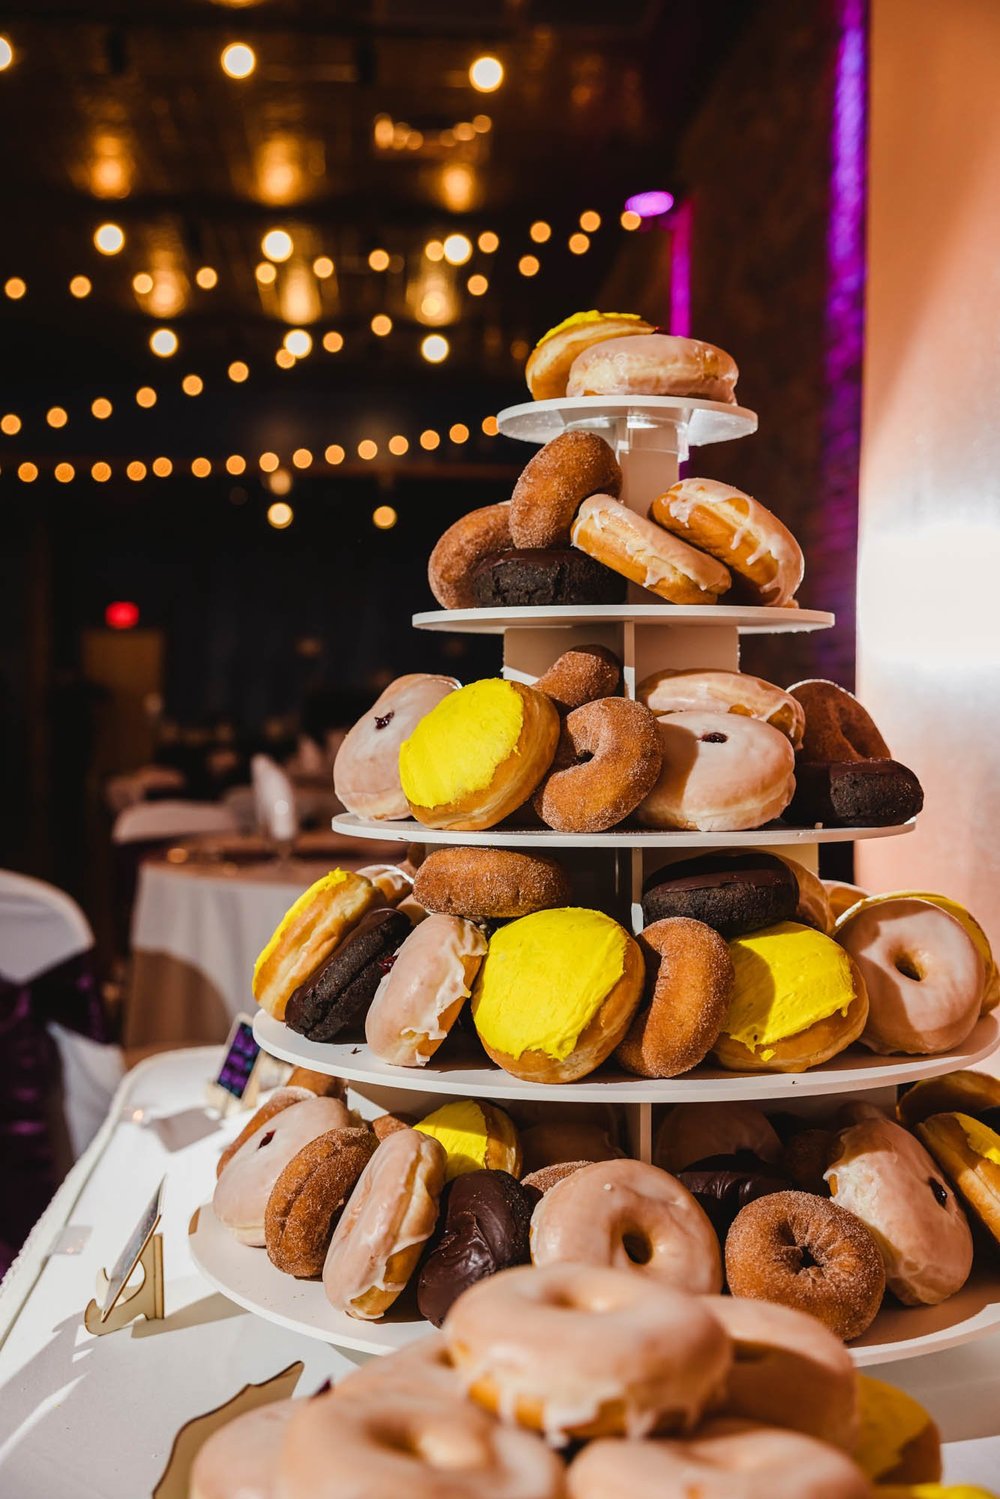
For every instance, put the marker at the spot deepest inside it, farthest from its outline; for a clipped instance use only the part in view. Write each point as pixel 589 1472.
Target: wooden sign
pixel 118 1306
pixel 176 1477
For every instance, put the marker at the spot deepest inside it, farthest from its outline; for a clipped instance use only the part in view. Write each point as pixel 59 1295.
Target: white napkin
pixel 274 798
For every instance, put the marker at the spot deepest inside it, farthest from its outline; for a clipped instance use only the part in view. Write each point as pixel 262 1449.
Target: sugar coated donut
pixel 544 578
pixel 308 1196
pixel 391 1214
pixel 580 675
pixel 966 1092
pixel 281 1098
pixel 924 974
pixel 741 532
pixel 804 1252
pixel 475 1137
pixel 421 1446
pixel 814 908
pixel 545 1178
pixel 556 992
pixel 489 884
pixel 487 1217
pixel 582 1350
pixel 712 690
pixel 837 727
pixel 692 1132
pixel 991 987
pixel 692 983
pixel 654 364
pixel 460 550
pixel 721 773
pixel 338 994
pixel 729 891
pixel 555 484
pixel 307 934
pixel 366 770
pixel 898 1442
pixel 240 1460
pixel 478 755
pixel 242 1191
pixel 548 366
pixel 566 1140
pixel 725 1459
pixel 631 1216
pixel 855 794
pixel 420 997
pixel 644 553
pixel 608 758
pixel 968 1150
pixel 885 1177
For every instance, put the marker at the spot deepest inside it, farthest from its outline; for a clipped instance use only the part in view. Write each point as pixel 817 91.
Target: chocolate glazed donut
pixel 487 1215
pixel 338 994
pixel 734 893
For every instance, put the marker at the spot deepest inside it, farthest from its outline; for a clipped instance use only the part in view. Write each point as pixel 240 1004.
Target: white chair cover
pixel 274 798
pixel 149 821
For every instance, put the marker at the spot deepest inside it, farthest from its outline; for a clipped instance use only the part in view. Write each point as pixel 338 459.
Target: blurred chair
pixel 146 784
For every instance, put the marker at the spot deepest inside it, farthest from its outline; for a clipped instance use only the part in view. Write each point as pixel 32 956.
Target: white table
pixel 60 1387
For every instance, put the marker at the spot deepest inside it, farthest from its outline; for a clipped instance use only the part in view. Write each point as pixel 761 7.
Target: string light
pixel 136 470
pixel 367 450
pixel 192 385
pixel 56 416
pixel 142 283
pixel 590 221
pixel 109 239
pixel 238 60
pixel 384 517
pixel 434 250
pixel 579 244
pixel 486 74
pixel 277 244
pixel 80 286
pixel 333 342
pixel 379 260
pixel 265 273
pixel 459 433
pixel 630 220
pixel 477 286
pixel 435 348
pixel 145 396
pixel 429 440
pixel 302 458
pixel 238 371
pixel 27 473
pixel 15 287
pixel 283 359
pixel 6 53
pixel 398 446
pixel 298 342
pixel 101 407
pixel 457 249
pixel 162 468
pixel 65 473
pixel 280 482
pixel 280 515
pixel 236 464
pixel 482 124
pixel 207 277
pixel 323 267
pixel 163 342
pixel 334 454
pixel 101 472
pixel 529 265
pixel 201 468
pixel 10 424
pixel 540 231
pixel 490 426
pixel 381 324
pixel 488 242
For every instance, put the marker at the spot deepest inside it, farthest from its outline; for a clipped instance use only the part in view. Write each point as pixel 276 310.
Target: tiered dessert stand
pixel 651 437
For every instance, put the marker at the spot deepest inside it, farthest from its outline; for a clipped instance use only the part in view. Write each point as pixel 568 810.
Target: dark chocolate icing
pixel 734 893
pixel 486 1217
pixel 338 994
pixel 723 1184
pixel 543 576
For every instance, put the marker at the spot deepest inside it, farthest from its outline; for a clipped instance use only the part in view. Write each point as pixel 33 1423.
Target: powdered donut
pixel 692 980
pixel 490 884
pixel 308 1196
pixel 366 771
pixel 837 726
pixel 608 758
pixel 581 675
pixel 554 485
pixel 720 773
pixel 714 691
pixel 462 547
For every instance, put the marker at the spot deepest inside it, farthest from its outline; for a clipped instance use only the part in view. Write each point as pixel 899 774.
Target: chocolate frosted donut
pixel 580 675
pixel 734 893
pixel 529 579
pixel 487 1215
pixel 340 991
pixel 723 1184
pixel 489 884
pixel 854 794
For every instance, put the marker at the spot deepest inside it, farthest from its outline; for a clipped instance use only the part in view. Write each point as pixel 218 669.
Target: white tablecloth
pixel 94 1418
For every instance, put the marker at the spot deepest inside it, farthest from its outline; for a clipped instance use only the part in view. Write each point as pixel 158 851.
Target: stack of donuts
pixel 565 537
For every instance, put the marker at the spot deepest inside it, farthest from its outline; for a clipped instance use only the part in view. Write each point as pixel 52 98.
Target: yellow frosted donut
pixel 307 934
pixel 798 1000
pixel 547 369
pixel 991 985
pixel 968 1151
pixel 898 1442
pixel 475 1137
pixel 478 755
pixel 556 992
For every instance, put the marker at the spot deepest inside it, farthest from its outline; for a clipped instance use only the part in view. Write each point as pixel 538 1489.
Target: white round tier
pixel 853 1071
pixel 409 831
pixel 701 422
pixel 247 1277
pixel 748 620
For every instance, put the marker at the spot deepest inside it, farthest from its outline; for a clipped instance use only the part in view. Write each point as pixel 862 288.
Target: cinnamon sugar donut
pixel 837 726
pixel 546 1177
pixel 645 553
pixel 741 532
pixel 608 758
pixel 554 485
pixel 692 975
pixel 459 551
pixel 490 884
pixel 805 1252
pixel 307 1198
pixel 581 675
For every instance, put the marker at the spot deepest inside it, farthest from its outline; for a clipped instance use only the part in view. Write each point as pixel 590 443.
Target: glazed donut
pixel 307 934
pixel 654 364
pixel 898 1442
pixel 630 1216
pixel 460 550
pixel 242 1191
pixel 722 1185
pixel 547 369
pixel 556 992
pixel 564 1140
pixel 693 1132
pixel 307 1198
pixel 991 988
pixel 885 1177
pixel 281 1098
pixel 924 974
pixel 546 1177
pixel 478 755
pixel 842 896
pixel 732 892
pixel 486 1221
pixel 711 690
pixel 721 773
pixel 741 532
pixel 240 1460
pixel 391 1213
pixel 489 884
pixel 814 908
pixel 583 1350
pixel 337 995
pixel 804 1252
pixel 607 760
pixel 969 1151
pixel 692 983
pixel 555 484
pixel 855 794
pixel 968 1092
pixel 789 1371
pixel 475 1137
pixel 393 883
pixel 837 727
pixel 423 1446
pixel 420 1368
pixel 366 770
pixel 644 553
pixel 544 578
pixel 420 997
pixel 723 1460
pixel 581 675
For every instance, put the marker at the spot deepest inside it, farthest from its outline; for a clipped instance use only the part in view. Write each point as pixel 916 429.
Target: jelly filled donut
pixel 489 884
pixel 741 532
pixel 308 1196
pixel 580 675
pixel 712 690
pixel 855 794
pixel 337 995
pixel 691 974
pixel 487 1217
pixel 583 1350
pixel 644 553
pixel 732 892
pixel 555 484
pixel 968 1150
pixel 898 1442
pixel 545 578
pixel 307 934
pixel 475 1137
pixel 804 1252
pixel 421 995
pixel 837 727
pixel 721 773
pixel 548 366
pixel 654 364
pixel 461 549
pixel 366 770
pixel 281 1098
pixel 607 760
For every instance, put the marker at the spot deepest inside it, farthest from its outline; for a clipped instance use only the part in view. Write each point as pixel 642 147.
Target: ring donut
pixel 490 884
pixel 741 532
pixel 581 675
pixel 462 547
pixel 645 553
pixel 692 987
pixel 837 727
pixel 607 760
pixel 555 484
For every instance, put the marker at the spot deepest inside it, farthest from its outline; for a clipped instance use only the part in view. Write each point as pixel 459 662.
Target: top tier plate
pixel 700 422
pixel 749 620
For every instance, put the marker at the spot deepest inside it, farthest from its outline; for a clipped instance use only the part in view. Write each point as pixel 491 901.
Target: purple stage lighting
pixel 650 205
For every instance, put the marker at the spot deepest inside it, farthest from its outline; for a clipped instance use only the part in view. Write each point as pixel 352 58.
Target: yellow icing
pixel 983 1140
pixel 324 886
pixel 543 979
pixel 461 1129
pixel 457 747
pixel 788 977
pixel 890 1421
pixel 931 1491
pixel 580 318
